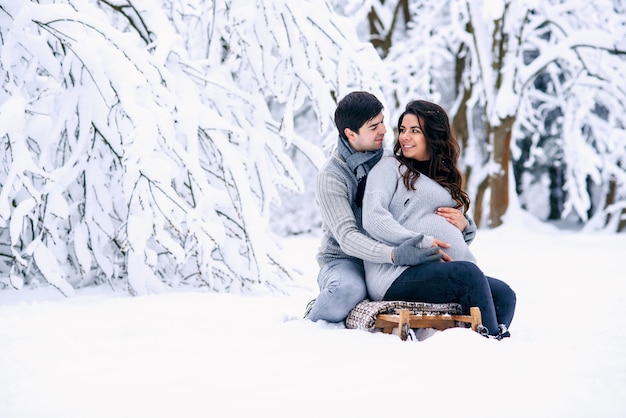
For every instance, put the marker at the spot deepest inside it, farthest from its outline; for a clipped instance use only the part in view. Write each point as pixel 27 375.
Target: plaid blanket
pixel 363 316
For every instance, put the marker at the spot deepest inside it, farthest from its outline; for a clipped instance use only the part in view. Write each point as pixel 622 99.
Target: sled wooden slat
pixel 403 315
pixel 404 320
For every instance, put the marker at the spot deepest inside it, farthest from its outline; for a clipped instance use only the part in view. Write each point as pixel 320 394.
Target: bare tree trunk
pixel 478 201
pixel 499 181
pixel 380 36
pixel 461 131
pixel 459 119
pixel 460 126
pixel 610 199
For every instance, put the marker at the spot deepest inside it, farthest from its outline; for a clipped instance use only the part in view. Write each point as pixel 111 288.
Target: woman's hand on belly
pixel 454 216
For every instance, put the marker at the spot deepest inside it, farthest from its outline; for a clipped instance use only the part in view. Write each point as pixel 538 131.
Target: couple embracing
pixel 396 225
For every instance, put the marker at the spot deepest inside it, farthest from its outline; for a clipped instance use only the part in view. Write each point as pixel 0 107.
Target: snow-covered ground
pixel 193 354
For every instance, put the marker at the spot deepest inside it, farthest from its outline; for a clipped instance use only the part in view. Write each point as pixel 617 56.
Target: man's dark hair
pixel 354 110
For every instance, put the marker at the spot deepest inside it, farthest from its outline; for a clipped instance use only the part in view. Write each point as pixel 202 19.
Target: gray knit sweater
pixel 344 236
pixel 392 214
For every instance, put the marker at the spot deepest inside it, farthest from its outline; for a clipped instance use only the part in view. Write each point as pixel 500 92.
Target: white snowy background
pixel 104 354
pixel 148 147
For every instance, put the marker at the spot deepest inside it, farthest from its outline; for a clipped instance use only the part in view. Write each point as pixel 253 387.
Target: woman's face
pixel 412 139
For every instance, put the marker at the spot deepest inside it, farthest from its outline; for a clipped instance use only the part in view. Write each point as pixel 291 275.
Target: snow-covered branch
pixel 147 150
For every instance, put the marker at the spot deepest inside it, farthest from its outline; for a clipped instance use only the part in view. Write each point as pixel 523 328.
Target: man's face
pixel 370 136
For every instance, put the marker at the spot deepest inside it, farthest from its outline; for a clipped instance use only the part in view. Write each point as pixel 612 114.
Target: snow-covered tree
pixel 536 82
pixel 146 142
pixel 514 43
pixel 579 54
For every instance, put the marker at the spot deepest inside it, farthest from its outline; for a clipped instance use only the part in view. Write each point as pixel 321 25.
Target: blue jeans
pixel 342 287
pixel 459 282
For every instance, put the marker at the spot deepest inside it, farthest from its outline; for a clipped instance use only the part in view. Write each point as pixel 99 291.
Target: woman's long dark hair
pixel 443 149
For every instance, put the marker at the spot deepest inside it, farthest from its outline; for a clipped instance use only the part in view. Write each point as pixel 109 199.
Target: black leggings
pixel 457 282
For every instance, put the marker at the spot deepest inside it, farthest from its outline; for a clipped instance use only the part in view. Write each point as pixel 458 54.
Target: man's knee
pixel 343 298
pixel 343 287
pixel 351 291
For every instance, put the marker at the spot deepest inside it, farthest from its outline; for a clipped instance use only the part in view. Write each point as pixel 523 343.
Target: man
pixel 339 194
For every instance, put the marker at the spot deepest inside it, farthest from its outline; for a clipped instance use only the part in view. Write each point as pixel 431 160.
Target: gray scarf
pixel 360 163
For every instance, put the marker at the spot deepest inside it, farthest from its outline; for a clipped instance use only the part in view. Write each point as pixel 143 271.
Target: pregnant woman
pixel 417 193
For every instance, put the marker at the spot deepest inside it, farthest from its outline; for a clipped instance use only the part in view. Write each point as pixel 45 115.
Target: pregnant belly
pixel 438 227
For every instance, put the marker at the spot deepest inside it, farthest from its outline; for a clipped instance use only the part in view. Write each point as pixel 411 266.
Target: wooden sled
pixel 403 315
pixel 404 321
